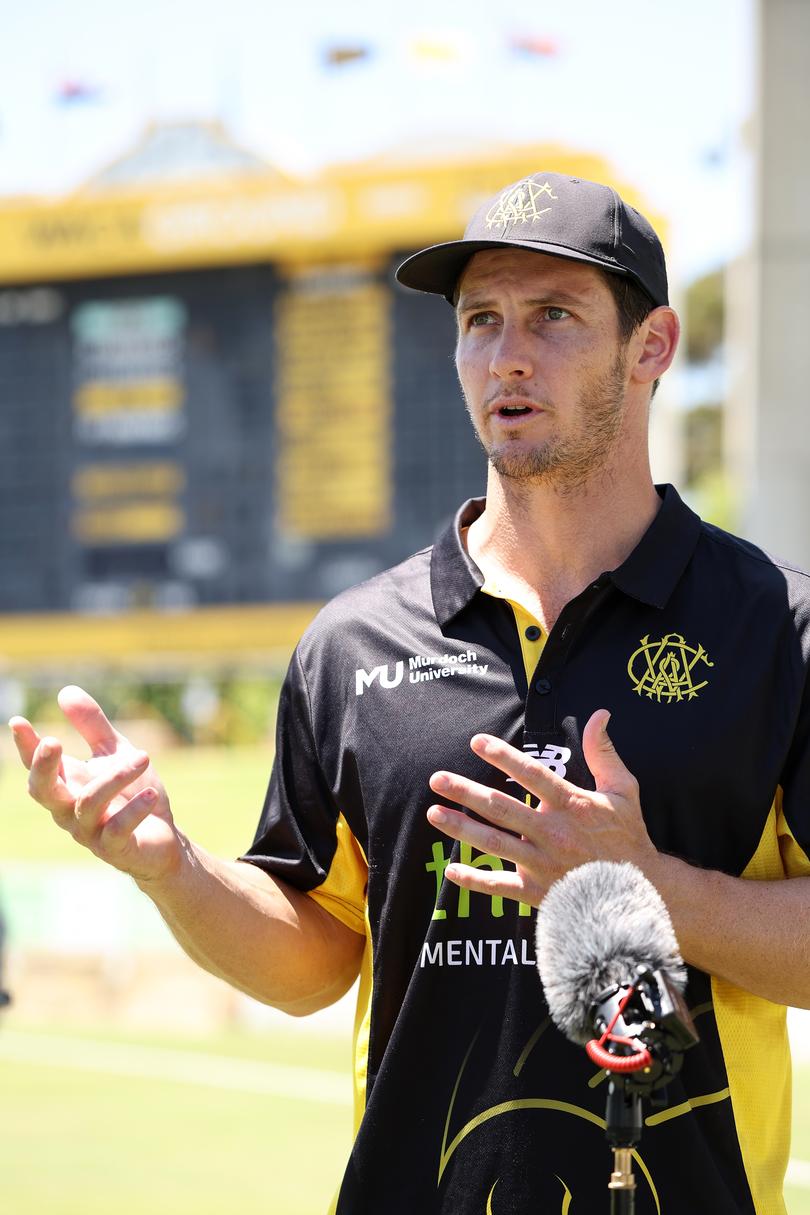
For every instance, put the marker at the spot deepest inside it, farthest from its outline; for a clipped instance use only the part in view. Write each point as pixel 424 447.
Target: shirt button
pixel 542 686
pixel 533 633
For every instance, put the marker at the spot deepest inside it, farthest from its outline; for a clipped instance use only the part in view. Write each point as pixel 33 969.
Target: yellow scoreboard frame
pixel 351 211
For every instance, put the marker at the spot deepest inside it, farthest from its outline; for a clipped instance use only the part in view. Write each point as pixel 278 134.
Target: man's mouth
pixel 513 411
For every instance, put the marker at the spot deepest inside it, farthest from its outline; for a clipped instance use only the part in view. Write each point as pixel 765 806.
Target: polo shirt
pixel 468 1099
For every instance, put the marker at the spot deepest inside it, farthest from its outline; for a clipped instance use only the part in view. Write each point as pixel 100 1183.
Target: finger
pixel 86 716
pixel 118 830
pixel 493 805
pixel 96 796
pixel 533 776
pixel 506 882
pixel 25 738
pixel 45 780
pixel 485 838
pixel 607 769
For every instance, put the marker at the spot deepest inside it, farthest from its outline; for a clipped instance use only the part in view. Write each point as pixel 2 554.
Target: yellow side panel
pixel 362 1029
pixel 343 895
pixel 753 1034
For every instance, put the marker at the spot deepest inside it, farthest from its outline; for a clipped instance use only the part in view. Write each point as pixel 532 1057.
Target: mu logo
pixel 364 679
pixel 668 669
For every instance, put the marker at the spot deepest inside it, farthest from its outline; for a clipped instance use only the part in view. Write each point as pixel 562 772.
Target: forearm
pixel 257 933
pixel 754 934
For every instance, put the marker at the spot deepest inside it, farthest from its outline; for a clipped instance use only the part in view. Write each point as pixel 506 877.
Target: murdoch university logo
pixel 422 668
pixel 520 204
pixel 668 669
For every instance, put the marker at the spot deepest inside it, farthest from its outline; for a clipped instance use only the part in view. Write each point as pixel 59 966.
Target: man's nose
pixel 511 356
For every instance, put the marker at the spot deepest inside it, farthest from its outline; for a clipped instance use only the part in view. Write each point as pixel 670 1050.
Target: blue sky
pixel 662 90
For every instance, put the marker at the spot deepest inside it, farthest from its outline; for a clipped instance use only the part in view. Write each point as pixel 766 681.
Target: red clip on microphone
pixel 636 1061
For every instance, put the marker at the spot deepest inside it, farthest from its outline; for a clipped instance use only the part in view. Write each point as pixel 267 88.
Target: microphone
pixel 613 979
pixel 610 965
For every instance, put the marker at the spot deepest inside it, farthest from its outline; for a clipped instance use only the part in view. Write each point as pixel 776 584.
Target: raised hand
pixel 568 828
pixel 114 804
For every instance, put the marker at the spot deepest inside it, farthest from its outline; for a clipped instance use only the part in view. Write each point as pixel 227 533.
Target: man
pixel 488 668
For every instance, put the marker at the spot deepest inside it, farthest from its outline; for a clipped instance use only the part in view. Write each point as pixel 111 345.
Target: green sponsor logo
pixel 484 860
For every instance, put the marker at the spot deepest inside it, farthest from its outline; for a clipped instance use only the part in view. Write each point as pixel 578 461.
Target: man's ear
pixel 654 345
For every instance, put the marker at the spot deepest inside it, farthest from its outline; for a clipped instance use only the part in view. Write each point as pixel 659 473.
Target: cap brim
pixel 438 268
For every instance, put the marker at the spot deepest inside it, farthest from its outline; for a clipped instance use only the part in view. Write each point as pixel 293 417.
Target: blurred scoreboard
pixel 233 435
pixel 213 392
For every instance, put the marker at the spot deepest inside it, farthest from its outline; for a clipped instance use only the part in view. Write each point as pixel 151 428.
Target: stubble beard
pixel 569 461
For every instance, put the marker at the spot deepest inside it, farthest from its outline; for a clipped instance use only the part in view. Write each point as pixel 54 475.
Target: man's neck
pixel 541 547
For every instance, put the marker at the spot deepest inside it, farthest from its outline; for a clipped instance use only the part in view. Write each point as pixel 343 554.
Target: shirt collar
pixel 650 574
pixel 654 567
pixel 454 576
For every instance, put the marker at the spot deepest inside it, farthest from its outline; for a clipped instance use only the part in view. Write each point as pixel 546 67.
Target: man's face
pixel 541 365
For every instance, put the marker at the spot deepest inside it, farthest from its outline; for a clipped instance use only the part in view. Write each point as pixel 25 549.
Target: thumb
pixel 601 756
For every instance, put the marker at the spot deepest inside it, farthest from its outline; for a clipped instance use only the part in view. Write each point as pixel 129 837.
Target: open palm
pixel 113 803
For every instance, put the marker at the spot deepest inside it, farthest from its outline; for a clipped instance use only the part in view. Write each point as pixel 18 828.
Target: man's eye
pixel 480 318
pixel 557 314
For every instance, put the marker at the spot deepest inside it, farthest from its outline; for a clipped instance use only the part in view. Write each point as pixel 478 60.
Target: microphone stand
pixel 645 1028
pixel 624 1121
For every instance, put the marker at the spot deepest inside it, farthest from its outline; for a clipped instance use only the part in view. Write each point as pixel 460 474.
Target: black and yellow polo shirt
pixel 469 1102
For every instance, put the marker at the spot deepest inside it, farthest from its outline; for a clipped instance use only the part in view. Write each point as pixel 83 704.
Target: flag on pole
pixel 537 46
pixel 338 55
pixel 436 50
pixel 76 92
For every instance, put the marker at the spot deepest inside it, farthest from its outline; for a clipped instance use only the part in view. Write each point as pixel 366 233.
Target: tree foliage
pixel 704 316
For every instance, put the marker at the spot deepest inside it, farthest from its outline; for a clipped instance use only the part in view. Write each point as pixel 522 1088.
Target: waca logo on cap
pixel 519 204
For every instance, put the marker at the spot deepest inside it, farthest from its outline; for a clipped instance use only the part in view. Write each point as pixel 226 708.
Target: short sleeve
pixel 302 837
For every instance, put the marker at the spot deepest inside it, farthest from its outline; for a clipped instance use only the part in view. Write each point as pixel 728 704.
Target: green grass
pixel 216 795
pixel 85 1143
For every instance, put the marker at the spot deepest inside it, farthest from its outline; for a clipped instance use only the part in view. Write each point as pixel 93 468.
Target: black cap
pixel 550 213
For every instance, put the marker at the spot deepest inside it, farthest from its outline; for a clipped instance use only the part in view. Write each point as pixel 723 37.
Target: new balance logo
pixel 553 758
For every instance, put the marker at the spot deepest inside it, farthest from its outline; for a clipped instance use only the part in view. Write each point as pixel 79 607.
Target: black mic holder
pixel 645 1026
